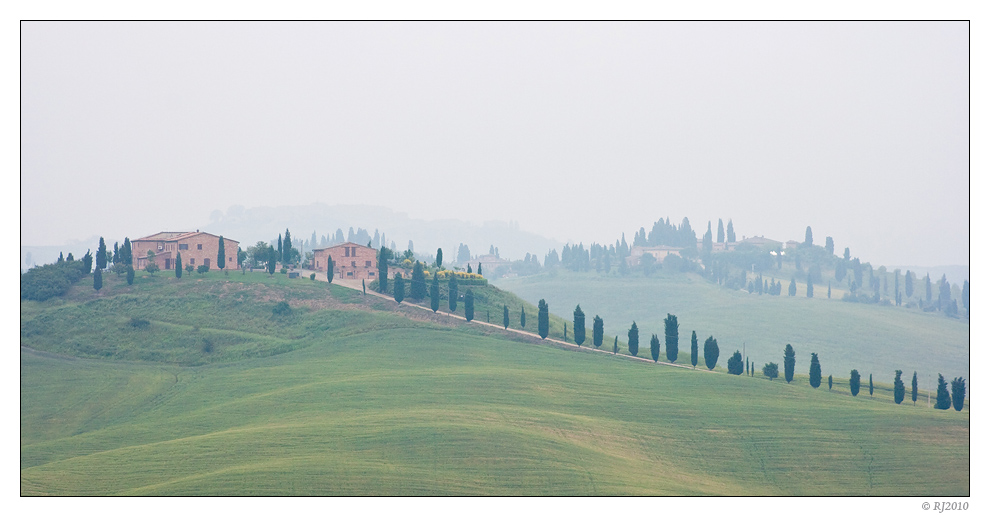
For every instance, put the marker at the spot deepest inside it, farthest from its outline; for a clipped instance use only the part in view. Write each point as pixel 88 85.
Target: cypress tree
pixel 829 246
pixel 871 385
pixel 854 382
pixel 101 255
pixel 272 258
pixel 909 284
pixel 116 253
pixel 958 393
pixel 364 290
pixel 721 232
pixel 522 318
pixel 505 317
pixel 694 335
pixel 87 262
pixel 330 272
pixel 815 373
pixel 287 247
pixel 399 288
pixel 928 288
pixel 280 248
pixel 565 331
pixel 417 288
pixel 62 259
pixel 479 268
pixel 789 360
pixel 469 268
pixel 792 289
pixel 178 265
pixel 670 337
pixel 655 348
pixel 747 365
pixel 898 387
pixel 597 332
pixel 69 258
pixel 435 293
pixel 98 279
pixel 914 388
pixel 633 341
pixel 383 256
pixel 469 305
pixel 730 235
pixel 543 319
pixel 130 275
pixel 711 345
pixel 615 346
pixel 942 399
pixel 439 258
pixel 221 255
pixel 829 383
pixel 735 364
pixel 452 293
pixel 807 237
pixel 578 325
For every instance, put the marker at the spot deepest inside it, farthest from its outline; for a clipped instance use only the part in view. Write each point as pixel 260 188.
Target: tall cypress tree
pixel 330 272
pixel 452 293
pixel 280 255
pixel 807 237
pixel 221 255
pixel 694 335
pixel 522 318
pixel 789 363
pixel 505 317
pixel 435 292
pixel 615 346
pixel 711 347
pixel 633 341
pixel 130 275
pixel 792 289
pixel 543 319
pixel 721 232
pixel 272 258
pixel 670 337
pixel 914 388
pixel 101 255
pixel 439 258
pixel 898 387
pixel 287 247
pixel 829 383
pixel 730 234
pixel 399 288
pixel 597 332
pixel 178 265
pixel 958 393
pixel 655 348
pixel 815 373
pixel 469 305
pixel 854 382
pixel 98 279
pixel 417 288
pixel 871 385
pixel 578 325
pixel 942 399
pixel 383 255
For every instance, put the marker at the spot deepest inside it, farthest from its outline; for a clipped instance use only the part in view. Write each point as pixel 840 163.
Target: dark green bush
pixel 44 282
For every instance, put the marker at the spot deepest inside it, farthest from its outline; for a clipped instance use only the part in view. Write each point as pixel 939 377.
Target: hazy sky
pixel 578 131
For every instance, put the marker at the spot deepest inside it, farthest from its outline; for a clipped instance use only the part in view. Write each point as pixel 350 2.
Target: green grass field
pixel 351 395
pixel 871 338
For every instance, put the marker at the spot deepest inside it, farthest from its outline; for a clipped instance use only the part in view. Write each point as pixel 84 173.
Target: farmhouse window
pixel 353 264
pixel 347 251
pixel 199 246
pixel 192 261
pixel 367 263
pixel 183 246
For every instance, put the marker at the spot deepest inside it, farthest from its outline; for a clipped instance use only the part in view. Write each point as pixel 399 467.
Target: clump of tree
pixel 43 282
pixel 711 345
pixel 854 382
pixel 942 400
pixel 202 268
pixel 597 331
pixel 735 364
pixel 958 393
pixel 633 340
pixel 543 319
pixel 815 373
pixel 789 359
pixel 898 387
pixel 670 335
pixel 770 371
pixel 98 279
pixel 578 325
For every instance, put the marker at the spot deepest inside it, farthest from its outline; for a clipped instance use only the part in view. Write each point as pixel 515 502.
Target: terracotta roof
pixel 175 236
pixel 348 243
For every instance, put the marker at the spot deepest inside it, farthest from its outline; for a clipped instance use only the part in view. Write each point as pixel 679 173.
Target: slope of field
pixel 870 338
pixel 377 403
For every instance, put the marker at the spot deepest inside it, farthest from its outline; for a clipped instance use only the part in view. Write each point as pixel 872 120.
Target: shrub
pixel 312 276
pixel 283 270
pixel 281 309
pixel 44 282
pixel 139 323
pixel 735 364
pixel 202 269
pixel 190 268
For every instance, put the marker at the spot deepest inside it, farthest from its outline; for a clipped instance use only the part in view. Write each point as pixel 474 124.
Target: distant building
pixel 762 242
pixel 489 263
pixel 658 252
pixel 197 249
pixel 792 244
pixel 350 261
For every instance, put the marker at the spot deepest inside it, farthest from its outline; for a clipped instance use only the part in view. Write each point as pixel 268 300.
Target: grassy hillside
pixel 379 401
pixel 871 338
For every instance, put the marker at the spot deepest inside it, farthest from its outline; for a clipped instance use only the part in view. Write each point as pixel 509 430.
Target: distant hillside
pixel 250 225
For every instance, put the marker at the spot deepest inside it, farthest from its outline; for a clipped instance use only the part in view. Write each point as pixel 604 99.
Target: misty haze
pixel 472 258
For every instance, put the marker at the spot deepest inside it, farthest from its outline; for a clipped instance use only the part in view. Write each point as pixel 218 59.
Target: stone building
pixel 197 248
pixel 350 261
